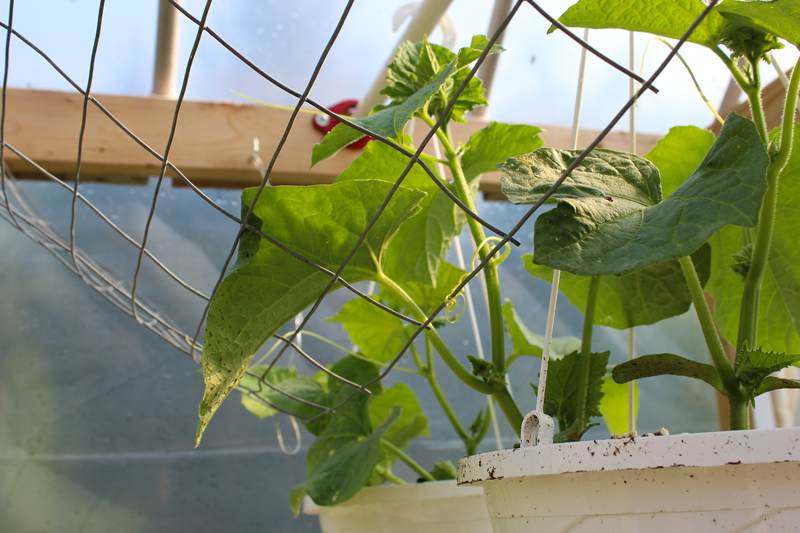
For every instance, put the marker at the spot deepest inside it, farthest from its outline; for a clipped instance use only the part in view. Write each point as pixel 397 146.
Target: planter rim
pixel 380 495
pixel 685 450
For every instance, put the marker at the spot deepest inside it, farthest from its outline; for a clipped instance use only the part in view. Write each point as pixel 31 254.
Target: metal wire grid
pixel 25 217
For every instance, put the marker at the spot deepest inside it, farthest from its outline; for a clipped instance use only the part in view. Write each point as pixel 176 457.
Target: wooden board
pixel 212 146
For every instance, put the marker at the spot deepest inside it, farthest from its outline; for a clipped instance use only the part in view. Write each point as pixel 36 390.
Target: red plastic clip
pixel 324 123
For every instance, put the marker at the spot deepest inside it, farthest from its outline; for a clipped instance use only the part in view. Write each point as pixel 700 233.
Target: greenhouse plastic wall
pixel 98 415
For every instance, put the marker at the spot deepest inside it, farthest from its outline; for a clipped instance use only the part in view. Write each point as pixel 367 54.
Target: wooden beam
pixel 212 145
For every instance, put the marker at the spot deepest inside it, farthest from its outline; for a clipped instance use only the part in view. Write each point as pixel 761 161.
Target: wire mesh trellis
pixel 21 213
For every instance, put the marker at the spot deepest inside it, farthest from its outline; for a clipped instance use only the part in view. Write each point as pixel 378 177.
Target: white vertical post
pixel 631 331
pixel 167 41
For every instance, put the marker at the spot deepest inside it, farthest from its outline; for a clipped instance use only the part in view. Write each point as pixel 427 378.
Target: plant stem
pixel 388 476
pixel 739 414
pixel 756 106
pixel 748 317
pixel 407 460
pixel 586 350
pixel 428 373
pixel 444 352
pixel 713 343
pixel 490 270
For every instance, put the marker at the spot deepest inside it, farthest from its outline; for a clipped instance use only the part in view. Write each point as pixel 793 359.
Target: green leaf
pixel 343 457
pixel 482 368
pixel 527 343
pixel 667 18
pixel 640 298
pixel 429 297
pixel 287 380
pixel 419 247
pixel 561 396
pixel 269 287
pixel 753 365
pixel 779 310
pixel 777 17
pixel 666 363
pixel 610 218
pixel 495 143
pixel 379 335
pixel 678 153
pixel 772 383
pixel 614 405
pixel 389 121
pixel 412 422
pixel 444 470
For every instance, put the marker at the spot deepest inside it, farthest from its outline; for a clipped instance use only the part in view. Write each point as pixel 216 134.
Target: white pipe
pixel 423 23
pixel 167 41
pixel 489 67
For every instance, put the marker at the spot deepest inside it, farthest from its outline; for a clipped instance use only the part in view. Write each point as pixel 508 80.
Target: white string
pixel 551 310
pixel 631 331
pixel 280 435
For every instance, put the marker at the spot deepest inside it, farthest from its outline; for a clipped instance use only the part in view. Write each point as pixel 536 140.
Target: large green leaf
pixel 610 218
pixel 528 343
pixel 668 18
pixel 495 143
pixel 269 286
pixel 561 395
pixel 379 335
pixel 343 457
pixel 421 242
pixel 390 120
pixel 778 17
pixel 615 405
pixel 678 153
pixel 286 379
pixel 666 363
pixel 779 310
pixel 640 298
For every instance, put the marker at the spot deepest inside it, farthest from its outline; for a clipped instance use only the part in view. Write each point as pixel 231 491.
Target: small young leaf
pixel 527 343
pixel 610 218
pixel 666 363
pixel 444 470
pixel 477 424
pixel 561 395
pixel 614 405
pixel 640 298
pixel 752 366
pixel 482 368
pixel 436 91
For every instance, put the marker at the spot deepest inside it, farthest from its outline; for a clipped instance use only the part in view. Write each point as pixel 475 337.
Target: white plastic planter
pixel 434 507
pixel 743 481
